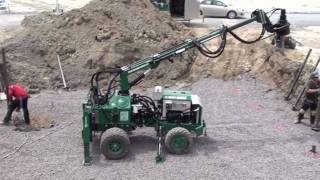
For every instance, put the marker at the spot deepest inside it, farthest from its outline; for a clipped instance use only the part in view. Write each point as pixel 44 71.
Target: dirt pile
pixel 104 33
pixel 237 58
pixel 259 58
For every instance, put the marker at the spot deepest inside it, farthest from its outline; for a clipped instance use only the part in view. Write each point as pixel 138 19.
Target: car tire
pixel 232 15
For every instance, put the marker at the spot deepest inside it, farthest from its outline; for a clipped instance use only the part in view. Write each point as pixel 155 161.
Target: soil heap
pixel 104 33
pixel 260 58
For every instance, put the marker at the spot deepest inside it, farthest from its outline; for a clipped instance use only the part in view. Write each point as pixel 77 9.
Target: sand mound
pixel 105 33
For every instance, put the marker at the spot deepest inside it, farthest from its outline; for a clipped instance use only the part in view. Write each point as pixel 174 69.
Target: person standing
pixel 17 99
pixel 311 99
pixel 316 127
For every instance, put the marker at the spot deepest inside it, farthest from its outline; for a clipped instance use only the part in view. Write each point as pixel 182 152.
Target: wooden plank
pixel 4 73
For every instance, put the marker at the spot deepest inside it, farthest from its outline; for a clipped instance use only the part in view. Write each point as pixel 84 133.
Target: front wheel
pixel 232 15
pixel 178 141
pixel 115 143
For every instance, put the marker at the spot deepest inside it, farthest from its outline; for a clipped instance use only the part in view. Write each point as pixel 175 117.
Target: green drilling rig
pixel 175 115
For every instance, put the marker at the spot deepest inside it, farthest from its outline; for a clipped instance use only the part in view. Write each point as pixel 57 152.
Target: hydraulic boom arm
pixel 281 29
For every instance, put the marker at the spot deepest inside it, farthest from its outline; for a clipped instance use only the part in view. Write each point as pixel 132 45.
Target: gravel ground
pixel 251 135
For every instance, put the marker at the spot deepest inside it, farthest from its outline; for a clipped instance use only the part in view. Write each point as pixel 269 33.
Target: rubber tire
pixel 201 13
pixel 111 135
pixel 182 132
pixel 232 17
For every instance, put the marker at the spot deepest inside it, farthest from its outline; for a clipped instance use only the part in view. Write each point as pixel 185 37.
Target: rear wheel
pixel 114 143
pixel 201 13
pixel 178 141
pixel 232 15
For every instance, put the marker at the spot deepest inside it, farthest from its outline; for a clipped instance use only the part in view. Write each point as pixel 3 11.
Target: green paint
pixel 162 6
pixel 124 81
pixel 179 143
pixel 177 95
pixel 86 135
pixel 198 129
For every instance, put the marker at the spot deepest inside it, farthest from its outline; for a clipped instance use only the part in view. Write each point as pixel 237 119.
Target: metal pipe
pixel 295 81
pixel 304 88
pixel 181 47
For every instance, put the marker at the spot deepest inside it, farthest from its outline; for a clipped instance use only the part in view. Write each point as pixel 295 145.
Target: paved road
pixel 12 20
pixel 297 20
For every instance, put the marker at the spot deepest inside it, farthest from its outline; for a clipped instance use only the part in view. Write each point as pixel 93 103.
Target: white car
pixel 219 9
pixel 4 5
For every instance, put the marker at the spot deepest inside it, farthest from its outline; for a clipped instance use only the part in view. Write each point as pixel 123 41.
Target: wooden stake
pixel 62 75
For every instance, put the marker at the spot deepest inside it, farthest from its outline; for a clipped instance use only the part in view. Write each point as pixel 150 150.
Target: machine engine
pixel 178 106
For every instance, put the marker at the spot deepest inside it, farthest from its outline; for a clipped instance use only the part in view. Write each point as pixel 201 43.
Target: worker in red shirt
pixel 17 99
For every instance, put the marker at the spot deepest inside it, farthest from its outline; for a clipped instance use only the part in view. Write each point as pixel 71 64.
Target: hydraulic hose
pixel 246 41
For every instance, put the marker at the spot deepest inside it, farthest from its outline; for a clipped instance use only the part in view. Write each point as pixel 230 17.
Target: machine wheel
pixel 201 13
pixel 178 141
pixel 232 15
pixel 114 143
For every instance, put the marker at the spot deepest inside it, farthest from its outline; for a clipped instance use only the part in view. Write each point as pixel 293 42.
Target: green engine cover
pixel 120 108
pixel 177 95
pixel 116 112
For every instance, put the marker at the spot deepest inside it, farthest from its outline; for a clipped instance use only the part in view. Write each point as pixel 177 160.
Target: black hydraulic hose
pixel 108 70
pixel 150 100
pixel 97 81
pixel 205 50
pixel 145 101
pixel 92 78
pixel 110 86
pixel 137 80
pixel 213 54
pixel 273 11
pixel 221 47
pixel 246 41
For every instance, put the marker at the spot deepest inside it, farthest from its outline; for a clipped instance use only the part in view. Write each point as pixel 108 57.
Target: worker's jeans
pixel 18 103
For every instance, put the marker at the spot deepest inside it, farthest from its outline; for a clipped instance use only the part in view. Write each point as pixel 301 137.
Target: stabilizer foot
pixel 87 163
pixel 160 159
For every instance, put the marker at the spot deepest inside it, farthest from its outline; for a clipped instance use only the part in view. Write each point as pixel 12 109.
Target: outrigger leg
pixel 160 155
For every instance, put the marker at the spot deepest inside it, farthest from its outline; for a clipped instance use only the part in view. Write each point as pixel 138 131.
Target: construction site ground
pixel 250 135
pixel 250 132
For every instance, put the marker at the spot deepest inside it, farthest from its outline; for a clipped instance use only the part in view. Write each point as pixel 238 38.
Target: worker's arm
pixel 313 90
pixel 312 87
